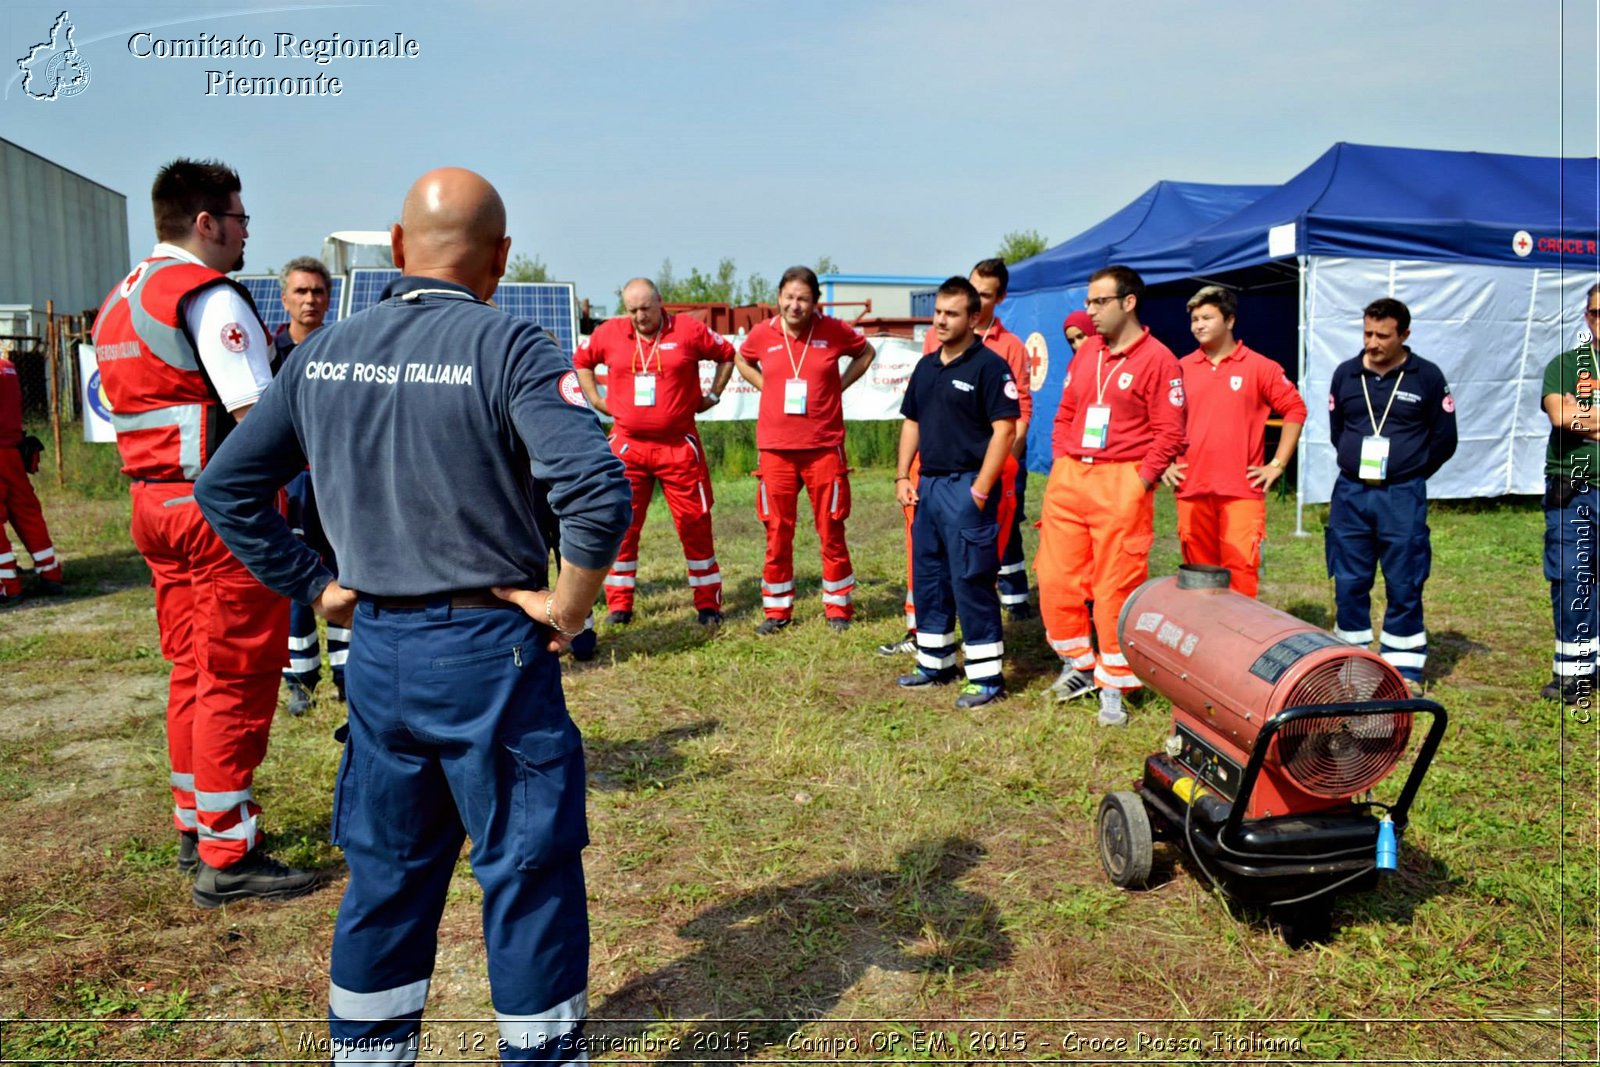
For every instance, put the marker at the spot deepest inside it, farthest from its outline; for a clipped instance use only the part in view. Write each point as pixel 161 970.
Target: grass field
pixel 790 854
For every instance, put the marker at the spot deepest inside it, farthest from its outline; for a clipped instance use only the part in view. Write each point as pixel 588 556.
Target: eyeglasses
pixel 1099 301
pixel 244 220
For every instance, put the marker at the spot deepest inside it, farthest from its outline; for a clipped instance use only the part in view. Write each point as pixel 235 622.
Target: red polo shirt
pixel 1009 347
pixel 1228 407
pixel 1142 386
pixel 813 356
pixel 673 356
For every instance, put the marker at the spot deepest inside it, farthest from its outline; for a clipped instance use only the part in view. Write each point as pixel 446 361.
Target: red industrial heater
pixel 1279 733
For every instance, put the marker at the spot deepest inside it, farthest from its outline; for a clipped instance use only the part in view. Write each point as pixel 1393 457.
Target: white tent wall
pixel 1490 329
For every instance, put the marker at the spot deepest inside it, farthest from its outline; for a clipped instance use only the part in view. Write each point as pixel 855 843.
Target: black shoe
pixel 710 621
pixel 772 626
pixel 1021 612
pixel 257 876
pixel 188 852
pixel 1578 689
pixel 1551 690
pixel 906 646
pixel 976 694
pixel 48 587
pixel 838 625
pixel 299 698
pixel 619 618
pixel 920 677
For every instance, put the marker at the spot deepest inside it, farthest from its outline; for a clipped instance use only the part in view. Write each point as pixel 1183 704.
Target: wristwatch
pixel 715 398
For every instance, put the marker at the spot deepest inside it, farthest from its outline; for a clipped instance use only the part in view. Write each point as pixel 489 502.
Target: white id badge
pixel 794 396
pixel 644 390
pixel 1374 464
pixel 1097 420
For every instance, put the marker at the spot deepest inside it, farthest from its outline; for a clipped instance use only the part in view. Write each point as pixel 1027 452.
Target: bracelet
pixel 903 478
pixel 550 617
pixel 977 495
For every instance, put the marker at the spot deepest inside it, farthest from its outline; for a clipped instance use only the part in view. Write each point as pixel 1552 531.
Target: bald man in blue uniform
pixel 426 421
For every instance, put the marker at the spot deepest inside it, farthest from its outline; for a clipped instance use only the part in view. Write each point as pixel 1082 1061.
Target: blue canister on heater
pixel 1388 847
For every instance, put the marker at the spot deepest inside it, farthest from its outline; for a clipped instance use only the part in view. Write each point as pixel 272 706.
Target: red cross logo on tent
pixel 1522 242
pixel 234 339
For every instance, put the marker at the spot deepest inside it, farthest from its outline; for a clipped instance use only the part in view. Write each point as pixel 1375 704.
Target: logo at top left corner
pixel 54 69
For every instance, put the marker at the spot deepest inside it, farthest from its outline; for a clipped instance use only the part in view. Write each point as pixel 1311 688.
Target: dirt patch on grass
pixel 80 701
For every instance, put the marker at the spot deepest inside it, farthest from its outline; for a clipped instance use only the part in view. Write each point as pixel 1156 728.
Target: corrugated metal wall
pixel 62 236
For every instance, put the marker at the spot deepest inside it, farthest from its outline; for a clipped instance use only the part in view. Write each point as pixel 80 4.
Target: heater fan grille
pixel 1344 755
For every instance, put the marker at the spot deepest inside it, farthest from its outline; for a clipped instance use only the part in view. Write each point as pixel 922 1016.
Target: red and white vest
pixel 168 419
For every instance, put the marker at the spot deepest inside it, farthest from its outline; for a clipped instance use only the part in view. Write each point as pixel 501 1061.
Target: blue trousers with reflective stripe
pixel 954 558
pixel 1381 525
pixel 458 728
pixel 1570 527
pixel 305 655
pixel 1013 580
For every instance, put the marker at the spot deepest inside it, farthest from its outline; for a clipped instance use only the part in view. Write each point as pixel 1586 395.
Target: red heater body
pixel 1280 731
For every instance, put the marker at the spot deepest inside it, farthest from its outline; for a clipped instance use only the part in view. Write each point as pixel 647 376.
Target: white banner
pixel 876 396
pixel 92 398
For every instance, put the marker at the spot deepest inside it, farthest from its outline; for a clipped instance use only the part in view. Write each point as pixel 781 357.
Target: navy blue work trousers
pixel 1571 521
pixel 458 728
pixel 305 653
pixel 954 558
pixel 1381 525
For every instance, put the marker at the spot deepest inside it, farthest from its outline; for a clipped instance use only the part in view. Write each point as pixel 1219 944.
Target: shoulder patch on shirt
pixel 1011 389
pixel 1332 403
pixel 571 391
pixel 1175 395
pixel 1449 403
pixel 234 339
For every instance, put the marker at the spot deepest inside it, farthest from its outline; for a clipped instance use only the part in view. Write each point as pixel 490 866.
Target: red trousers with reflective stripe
pixel 1224 531
pixel 1006 487
pixel 826 479
pixel 1094 544
pixel 680 467
pixel 19 506
pixel 226 636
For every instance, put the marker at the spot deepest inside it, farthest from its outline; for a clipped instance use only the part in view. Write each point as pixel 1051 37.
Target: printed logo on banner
pixel 54 69
pixel 99 402
pixel 1522 243
pixel 1038 359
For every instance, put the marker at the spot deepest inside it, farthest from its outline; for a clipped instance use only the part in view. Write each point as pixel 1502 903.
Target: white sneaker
pixel 1072 684
pixel 1111 713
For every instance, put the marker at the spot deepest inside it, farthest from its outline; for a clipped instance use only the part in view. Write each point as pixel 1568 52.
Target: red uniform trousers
pixel 19 506
pixel 1094 544
pixel 1224 531
pixel 1007 488
pixel 827 481
pixel 680 467
pixel 226 636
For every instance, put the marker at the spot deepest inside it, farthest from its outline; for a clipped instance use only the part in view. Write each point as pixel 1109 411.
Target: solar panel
pixel 267 292
pixel 553 305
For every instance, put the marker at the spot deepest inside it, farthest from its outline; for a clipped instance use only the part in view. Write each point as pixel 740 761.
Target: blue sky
pixel 895 137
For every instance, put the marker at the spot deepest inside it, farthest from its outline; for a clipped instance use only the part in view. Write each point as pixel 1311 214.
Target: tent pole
pixel 1300 447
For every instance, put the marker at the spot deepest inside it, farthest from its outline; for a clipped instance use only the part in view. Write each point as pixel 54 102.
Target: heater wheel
pixel 1127 847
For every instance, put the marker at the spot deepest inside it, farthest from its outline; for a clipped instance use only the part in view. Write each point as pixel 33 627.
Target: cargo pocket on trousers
pixel 343 788
pixel 548 818
pixel 980 551
pixel 839 498
pixel 763 511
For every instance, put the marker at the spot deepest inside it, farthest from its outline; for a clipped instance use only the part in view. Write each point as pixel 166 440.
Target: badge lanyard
pixel 644 382
pixel 794 390
pixel 1374 463
pixel 1097 419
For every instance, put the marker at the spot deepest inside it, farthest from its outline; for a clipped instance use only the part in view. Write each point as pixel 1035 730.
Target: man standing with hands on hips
pixel 966 400
pixel 426 421
pixel 1392 421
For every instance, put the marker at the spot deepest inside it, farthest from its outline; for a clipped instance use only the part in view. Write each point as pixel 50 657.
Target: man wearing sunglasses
pixel 1572 465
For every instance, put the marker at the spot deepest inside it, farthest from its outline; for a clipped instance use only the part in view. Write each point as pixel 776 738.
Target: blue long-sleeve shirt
pixel 1421 424
pixel 425 420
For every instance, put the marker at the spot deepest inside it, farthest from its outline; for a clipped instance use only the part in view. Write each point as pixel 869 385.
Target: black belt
pixel 463 598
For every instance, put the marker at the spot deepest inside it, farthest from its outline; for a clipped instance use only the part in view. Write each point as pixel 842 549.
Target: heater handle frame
pixel 1440 720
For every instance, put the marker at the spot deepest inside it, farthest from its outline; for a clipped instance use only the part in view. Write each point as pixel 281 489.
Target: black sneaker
pixel 772 626
pixel 920 677
pixel 619 618
pixel 257 876
pixel 48 587
pixel 838 625
pixel 710 620
pixel 299 698
pixel 1551 690
pixel 188 852
pixel 906 646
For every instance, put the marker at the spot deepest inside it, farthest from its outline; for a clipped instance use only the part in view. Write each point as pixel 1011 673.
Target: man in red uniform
pixel 1119 425
pixel 19 505
pixel 1221 483
pixel 183 356
pixel 990 277
pixel 652 363
pixel 793 360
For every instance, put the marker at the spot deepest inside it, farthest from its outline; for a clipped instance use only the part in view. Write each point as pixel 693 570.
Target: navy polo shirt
pixel 426 420
pixel 1421 426
pixel 955 406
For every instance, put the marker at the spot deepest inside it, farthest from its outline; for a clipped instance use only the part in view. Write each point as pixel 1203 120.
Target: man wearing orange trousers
pixel 793 361
pixel 1220 481
pixel 183 356
pixel 19 505
pixel 1118 427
